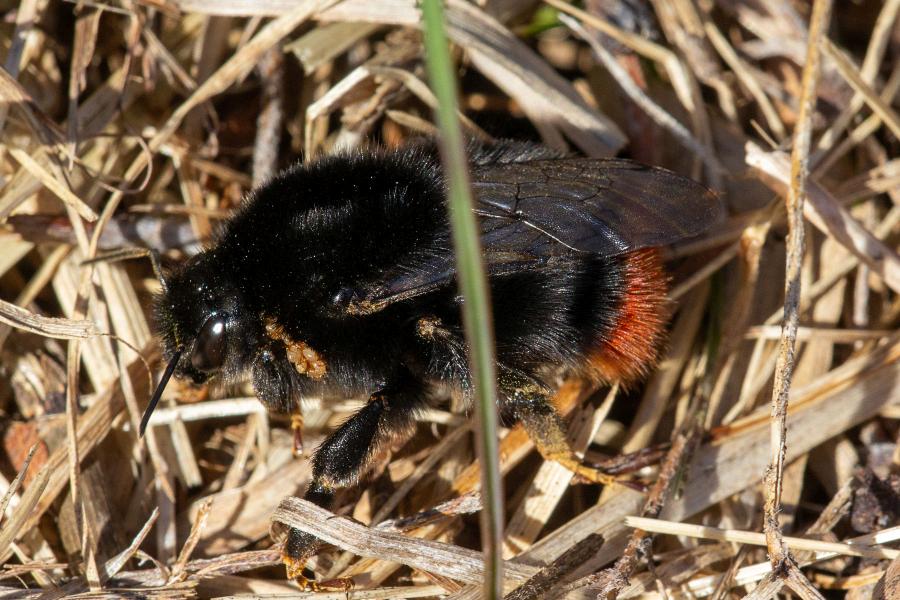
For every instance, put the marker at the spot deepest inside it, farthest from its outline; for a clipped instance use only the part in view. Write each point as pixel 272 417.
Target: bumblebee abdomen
pixel 603 316
pixel 630 318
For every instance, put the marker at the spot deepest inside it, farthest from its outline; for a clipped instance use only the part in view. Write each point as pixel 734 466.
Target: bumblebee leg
pixel 301 546
pixel 297 430
pixel 532 407
pixel 347 453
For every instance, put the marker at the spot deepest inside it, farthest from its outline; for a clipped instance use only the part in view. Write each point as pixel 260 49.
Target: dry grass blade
pixel 16 524
pixel 878 44
pixel 60 190
pixel 844 336
pixel 200 520
pixel 538 89
pixel 758 539
pixel 385 593
pixel 16 483
pixel 13 94
pixel 242 61
pixel 236 8
pixel 94 425
pixel 657 113
pixel 851 74
pixel 116 563
pixel 747 78
pixel 447 560
pixel 681 79
pixel 232 407
pixel 767 589
pixel 25 18
pixel 271 119
pixel 420 89
pixel 826 213
pixel 328 41
pixel 54 327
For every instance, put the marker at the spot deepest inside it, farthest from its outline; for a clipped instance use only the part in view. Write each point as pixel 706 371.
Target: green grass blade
pixel 473 286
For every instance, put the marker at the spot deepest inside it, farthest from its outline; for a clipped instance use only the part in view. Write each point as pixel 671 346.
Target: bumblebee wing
pixel 582 205
pixel 537 212
pixel 419 277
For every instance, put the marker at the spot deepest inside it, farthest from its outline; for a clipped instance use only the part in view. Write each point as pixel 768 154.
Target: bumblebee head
pixel 197 318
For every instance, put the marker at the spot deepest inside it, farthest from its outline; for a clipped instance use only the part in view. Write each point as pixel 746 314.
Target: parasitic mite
pixel 337 278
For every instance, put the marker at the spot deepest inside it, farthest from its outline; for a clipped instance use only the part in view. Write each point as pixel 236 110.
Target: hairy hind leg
pixel 531 405
pixel 343 458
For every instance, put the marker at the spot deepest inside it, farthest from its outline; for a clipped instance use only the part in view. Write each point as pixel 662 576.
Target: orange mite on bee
pixel 337 278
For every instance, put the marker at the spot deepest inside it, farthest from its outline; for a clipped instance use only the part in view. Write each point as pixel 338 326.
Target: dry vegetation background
pixel 140 123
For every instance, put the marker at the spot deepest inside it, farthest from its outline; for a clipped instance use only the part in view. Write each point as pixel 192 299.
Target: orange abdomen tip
pixel 630 346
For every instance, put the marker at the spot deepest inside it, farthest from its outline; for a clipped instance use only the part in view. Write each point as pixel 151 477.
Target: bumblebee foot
pixel 294 568
pixel 595 477
pixel 298 548
pixel 585 473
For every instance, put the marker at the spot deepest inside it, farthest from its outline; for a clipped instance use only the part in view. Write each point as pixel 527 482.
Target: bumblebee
pixel 337 278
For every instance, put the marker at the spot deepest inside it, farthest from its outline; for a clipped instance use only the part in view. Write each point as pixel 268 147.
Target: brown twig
pixel 783 566
pixel 611 581
pixel 271 118
pixel 542 585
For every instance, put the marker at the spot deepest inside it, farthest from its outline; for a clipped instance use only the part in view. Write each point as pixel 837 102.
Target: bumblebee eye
pixel 209 349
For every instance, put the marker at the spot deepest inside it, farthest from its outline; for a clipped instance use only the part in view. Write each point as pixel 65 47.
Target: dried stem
pixel 783 565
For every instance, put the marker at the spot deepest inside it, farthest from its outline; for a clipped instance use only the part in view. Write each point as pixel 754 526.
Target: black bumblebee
pixel 337 278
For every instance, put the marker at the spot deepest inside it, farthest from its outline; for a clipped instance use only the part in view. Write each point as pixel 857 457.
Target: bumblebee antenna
pixel 153 255
pixel 129 253
pixel 170 368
